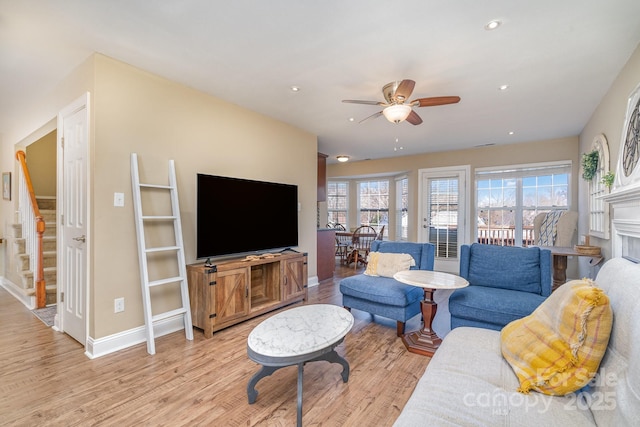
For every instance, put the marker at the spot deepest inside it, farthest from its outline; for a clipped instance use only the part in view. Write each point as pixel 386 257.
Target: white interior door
pixel 444 198
pixel 73 142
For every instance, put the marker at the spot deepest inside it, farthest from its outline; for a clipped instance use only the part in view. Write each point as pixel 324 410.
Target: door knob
pixel 80 239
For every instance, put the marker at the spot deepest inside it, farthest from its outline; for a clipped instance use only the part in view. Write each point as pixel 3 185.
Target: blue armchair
pixel 385 296
pixel 505 283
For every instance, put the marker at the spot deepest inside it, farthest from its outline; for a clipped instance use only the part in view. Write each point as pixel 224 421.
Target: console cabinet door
pixel 295 277
pixel 231 295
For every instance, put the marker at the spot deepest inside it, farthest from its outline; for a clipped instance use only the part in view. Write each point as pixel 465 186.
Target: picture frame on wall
pixel 6 185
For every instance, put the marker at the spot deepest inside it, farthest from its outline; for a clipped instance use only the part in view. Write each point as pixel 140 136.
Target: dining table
pixel 345 246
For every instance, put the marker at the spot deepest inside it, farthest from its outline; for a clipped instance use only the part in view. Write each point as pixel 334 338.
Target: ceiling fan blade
pixel 414 118
pixel 404 91
pixel 355 101
pixel 436 100
pixel 373 116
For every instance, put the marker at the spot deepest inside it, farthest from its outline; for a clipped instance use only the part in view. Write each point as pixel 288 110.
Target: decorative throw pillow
pixel 557 349
pixel 549 228
pixel 387 264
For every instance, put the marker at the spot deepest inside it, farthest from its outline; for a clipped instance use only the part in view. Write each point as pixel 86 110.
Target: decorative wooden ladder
pixel 144 252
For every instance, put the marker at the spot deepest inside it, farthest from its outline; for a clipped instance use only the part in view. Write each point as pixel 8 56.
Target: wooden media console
pixel 232 291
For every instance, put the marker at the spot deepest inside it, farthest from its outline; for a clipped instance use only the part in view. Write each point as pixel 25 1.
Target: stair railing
pixel 32 228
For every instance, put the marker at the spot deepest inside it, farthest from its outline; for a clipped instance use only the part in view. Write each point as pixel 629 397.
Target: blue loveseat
pixel 505 283
pixel 385 296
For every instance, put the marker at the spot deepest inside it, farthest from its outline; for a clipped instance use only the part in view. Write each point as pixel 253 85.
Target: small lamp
pixel 397 113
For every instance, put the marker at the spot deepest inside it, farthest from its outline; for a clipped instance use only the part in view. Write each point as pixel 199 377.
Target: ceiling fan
pixel 397 109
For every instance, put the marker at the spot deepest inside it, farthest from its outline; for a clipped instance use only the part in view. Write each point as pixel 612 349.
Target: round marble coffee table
pixel 294 337
pixel 425 341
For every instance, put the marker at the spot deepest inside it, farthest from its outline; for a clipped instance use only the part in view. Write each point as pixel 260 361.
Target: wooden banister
pixel 39 283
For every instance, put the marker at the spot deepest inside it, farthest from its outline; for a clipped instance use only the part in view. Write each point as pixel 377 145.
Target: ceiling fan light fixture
pixel 397 113
pixel 343 158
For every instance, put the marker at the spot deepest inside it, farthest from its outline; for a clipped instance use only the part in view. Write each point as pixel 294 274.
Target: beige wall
pixel 135 111
pixel 41 160
pixel 607 119
pixel 503 155
pixel 160 120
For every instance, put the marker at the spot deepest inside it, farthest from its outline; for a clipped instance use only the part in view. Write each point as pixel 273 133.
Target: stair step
pixel 50 277
pixel 49 243
pixel 52 293
pixel 49 215
pixel 46 202
pixel 50 229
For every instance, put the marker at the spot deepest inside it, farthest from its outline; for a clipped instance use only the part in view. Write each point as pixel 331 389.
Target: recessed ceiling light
pixel 343 158
pixel 503 87
pixel 351 119
pixel 492 25
pixel 511 132
pixel 295 88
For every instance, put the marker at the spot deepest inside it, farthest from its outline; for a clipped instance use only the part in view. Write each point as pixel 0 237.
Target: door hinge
pixel 61 296
pixel 211 316
pixel 212 283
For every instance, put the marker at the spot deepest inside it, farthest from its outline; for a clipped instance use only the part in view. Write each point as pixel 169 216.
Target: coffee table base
pixel 267 370
pixel 422 343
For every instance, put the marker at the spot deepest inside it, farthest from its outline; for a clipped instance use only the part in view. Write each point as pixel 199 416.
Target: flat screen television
pixel 236 216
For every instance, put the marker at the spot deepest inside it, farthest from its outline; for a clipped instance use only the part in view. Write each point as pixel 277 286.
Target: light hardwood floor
pixel 46 380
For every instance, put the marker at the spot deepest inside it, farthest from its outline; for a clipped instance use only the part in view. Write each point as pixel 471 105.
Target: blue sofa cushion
pixel 424 260
pixel 505 267
pixel 383 290
pixel 492 306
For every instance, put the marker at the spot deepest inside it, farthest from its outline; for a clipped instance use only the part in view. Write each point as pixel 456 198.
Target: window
pixel 598 209
pixel 373 203
pixel 402 209
pixel 338 202
pixel 508 200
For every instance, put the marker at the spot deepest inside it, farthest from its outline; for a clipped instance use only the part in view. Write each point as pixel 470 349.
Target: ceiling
pixel 558 57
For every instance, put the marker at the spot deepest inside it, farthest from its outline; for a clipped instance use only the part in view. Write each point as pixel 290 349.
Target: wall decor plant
pixel 608 179
pixel 589 164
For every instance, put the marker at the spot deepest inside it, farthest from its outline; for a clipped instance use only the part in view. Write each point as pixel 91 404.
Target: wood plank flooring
pixel 46 380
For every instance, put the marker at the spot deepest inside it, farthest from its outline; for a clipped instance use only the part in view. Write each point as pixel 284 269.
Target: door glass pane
pixel 443 216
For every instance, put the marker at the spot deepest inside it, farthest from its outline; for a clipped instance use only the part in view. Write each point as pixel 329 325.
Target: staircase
pixel 48 211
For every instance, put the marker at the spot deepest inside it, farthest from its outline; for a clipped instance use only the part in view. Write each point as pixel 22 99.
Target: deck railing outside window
pixel 505 236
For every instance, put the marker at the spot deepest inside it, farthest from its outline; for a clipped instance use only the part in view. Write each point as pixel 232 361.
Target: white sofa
pixel 469 383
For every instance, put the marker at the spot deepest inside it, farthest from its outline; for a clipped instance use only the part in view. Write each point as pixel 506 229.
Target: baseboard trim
pixel 313 281
pixel 15 290
pixel 98 347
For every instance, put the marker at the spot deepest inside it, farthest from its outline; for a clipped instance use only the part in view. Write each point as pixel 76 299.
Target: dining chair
pixel 381 233
pixel 343 243
pixel 363 236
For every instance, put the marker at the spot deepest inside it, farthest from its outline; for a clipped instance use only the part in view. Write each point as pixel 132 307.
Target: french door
pixel 443 206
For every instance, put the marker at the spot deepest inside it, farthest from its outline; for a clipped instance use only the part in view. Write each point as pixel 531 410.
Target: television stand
pixel 228 292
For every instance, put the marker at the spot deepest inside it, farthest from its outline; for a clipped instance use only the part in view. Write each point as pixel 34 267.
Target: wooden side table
pixel 425 341
pixel 560 255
